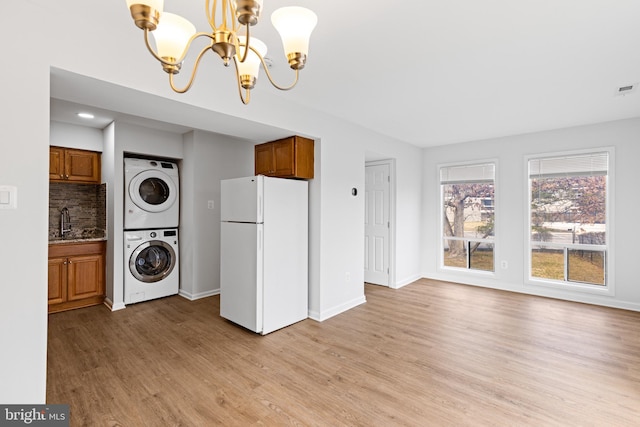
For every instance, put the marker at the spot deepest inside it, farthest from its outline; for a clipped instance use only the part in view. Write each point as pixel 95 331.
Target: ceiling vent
pixel 626 89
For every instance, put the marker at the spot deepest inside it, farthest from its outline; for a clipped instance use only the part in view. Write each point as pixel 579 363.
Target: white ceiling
pixel 439 72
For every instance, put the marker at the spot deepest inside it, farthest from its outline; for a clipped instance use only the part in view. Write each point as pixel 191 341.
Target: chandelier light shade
pixel 174 35
pixel 249 69
pixel 295 25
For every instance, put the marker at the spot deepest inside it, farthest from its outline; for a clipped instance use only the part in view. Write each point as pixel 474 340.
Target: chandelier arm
pixel 224 14
pixel 247 45
pixel 266 70
pixel 248 91
pixel 234 9
pixel 209 11
pixel 242 98
pixel 186 50
pixel 193 73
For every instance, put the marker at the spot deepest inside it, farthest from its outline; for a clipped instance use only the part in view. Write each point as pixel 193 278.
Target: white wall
pixel 108 158
pixel 511 204
pixel 408 189
pixel 23 248
pixel 336 217
pixel 73 136
pixel 208 158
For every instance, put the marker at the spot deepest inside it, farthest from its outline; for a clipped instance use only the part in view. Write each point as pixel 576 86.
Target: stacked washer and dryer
pixel 151 216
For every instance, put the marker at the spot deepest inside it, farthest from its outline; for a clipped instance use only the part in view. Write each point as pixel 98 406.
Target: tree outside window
pixel 468 216
pixel 568 218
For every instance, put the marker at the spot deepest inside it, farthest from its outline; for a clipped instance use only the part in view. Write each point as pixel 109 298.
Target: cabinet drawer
pixel 77 248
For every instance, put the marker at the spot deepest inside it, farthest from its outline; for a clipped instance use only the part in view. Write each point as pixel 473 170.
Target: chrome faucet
pixel 65 222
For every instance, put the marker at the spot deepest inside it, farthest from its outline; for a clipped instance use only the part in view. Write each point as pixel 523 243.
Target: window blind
pixel 467 173
pixel 593 164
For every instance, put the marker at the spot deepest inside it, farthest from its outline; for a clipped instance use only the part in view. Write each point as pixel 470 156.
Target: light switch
pixel 8 197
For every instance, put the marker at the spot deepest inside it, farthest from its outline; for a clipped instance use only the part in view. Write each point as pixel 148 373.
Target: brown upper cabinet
pixel 71 165
pixel 290 157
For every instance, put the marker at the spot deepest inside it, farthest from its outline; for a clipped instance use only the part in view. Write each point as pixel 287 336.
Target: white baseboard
pixel 326 314
pixel 407 281
pixel 193 297
pixel 540 291
pixel 112 306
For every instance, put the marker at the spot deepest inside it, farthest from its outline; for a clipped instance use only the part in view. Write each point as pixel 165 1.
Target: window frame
pixel 470 271
pixel 572 286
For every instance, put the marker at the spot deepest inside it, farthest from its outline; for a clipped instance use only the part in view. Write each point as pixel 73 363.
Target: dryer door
pixel 153 191
pixel 152 261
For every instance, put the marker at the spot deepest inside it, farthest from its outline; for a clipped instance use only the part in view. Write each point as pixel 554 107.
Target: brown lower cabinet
pixel 76 275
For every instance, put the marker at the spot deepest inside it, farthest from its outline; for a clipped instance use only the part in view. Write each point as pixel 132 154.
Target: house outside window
pixel 568 216
pixel 468 216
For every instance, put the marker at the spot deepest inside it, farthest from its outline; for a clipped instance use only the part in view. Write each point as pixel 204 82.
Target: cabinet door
pixel 85 277
pixel 284 157
pixel 304 157
pixel 264 159
pixel 82 166
pixel 57 280
pixel 56 163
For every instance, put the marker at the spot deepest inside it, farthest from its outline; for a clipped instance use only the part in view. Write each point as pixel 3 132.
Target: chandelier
pixel 174 36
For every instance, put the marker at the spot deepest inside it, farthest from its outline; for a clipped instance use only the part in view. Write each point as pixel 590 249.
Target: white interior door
pixel 376 227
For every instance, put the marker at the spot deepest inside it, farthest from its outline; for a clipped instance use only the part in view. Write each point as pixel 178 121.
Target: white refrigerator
pixel 264 252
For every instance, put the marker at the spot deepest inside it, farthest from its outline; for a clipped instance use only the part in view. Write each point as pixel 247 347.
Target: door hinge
pixel 388 224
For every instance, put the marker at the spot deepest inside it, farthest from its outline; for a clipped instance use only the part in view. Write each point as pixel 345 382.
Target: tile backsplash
pixel 87 206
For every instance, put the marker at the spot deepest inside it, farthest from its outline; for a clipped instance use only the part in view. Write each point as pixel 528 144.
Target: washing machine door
pixel 153 191
pixel 152 261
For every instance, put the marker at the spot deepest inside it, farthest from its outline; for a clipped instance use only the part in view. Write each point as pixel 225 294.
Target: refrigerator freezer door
pixel 241 199
pixel 241 274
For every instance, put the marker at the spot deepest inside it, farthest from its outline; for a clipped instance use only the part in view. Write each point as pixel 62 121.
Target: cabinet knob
pixel 61 176
pixel 66 176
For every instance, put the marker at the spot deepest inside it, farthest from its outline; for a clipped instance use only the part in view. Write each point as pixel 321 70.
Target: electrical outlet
pixel 210 204
pixel 504 265
pixel 347 277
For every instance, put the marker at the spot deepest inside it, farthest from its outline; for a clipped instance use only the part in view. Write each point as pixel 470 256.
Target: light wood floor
pixel 429 354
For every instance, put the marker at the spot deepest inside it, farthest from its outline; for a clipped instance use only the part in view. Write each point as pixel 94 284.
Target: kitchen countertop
pixel 93 239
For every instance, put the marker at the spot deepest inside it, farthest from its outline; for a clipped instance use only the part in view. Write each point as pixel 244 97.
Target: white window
pixel 468 216
pixel 569 220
